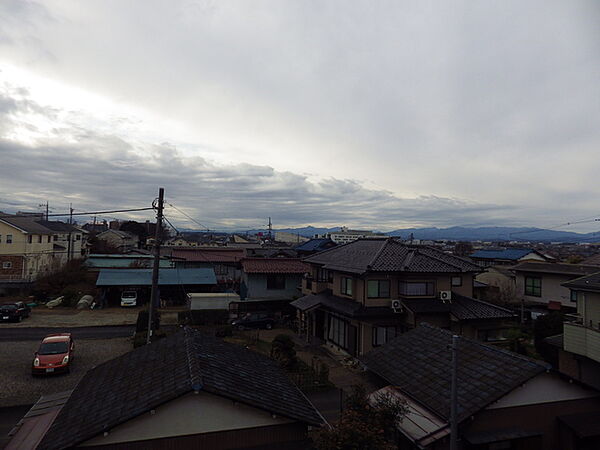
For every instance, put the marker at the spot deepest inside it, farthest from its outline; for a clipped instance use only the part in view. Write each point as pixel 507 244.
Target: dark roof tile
pixel 127 386
pixel 389 255
pixel 418 364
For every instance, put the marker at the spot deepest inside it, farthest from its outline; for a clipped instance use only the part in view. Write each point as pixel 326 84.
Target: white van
pixel 128 298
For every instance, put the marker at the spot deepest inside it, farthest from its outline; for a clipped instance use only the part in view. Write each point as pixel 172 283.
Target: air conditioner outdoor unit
pixel 397 306
pixel 445 296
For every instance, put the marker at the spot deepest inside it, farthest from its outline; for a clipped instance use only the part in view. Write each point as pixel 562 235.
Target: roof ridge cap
pixel 378 253
pixel 192 359
pixel 443 261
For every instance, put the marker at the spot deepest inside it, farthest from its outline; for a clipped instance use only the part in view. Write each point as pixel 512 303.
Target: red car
pixel 54 355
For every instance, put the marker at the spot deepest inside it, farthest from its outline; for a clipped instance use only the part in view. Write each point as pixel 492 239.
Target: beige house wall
pixel 551 288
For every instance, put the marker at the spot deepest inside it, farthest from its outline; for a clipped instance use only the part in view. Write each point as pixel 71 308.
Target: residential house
pixel 504 400
pixel 226 262
pixel 188 390
pixel 541 284
pixel 314 246
pixel 123 241
pixel 174 284
pixel 69 240
pixel 579 354
pixel 271 278
pixel 362 294
pixel 507 256
pixel 27 249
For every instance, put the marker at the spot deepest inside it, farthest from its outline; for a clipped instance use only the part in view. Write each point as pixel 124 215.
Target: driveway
pixel 19 387
pixel 36 334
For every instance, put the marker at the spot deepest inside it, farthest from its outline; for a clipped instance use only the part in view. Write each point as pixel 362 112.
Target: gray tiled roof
pixel 557 268
pixel 345 306
pixel 418 363
pixel 27 224
pixel 467 308
pixel 134 383
pixel 461 307
pixel 389 255
pixel 587 283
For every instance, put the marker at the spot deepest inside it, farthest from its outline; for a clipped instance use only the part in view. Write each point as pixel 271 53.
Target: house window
pixel 324 275
pixel 574 296
pixel 381 335
pixel 456 281
pixel 49 239
pixel 0 239
pixel 77 237
pixel 9 238
pixel 346 286
pixel 533 286
pixel 56 237
pixel 417 288
pixel 338 331
pixel 40 239
pixel 7 265
pixel 276 282
pixel 378 289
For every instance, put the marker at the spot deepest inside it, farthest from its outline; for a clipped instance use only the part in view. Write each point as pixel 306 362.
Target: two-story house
pixel 539 284
pixel 580 355
pixel 362 294
pixel 26 249
pixel 70 241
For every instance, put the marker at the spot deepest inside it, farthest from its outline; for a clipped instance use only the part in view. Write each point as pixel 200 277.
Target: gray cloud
pixel 449 109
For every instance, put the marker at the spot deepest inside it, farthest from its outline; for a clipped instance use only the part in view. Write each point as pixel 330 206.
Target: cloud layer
pixel 370 114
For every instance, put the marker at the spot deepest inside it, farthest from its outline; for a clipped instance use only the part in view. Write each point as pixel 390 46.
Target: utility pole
pixel 154 294
pixel 71 213
pixel 454 396
pixel 47 207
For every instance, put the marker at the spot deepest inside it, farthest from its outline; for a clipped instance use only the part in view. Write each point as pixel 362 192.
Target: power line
pixel 87 213
pixel 169 222
pixel 188 216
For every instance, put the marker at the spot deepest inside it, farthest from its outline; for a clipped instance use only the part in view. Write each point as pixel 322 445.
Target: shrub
pixel 282 351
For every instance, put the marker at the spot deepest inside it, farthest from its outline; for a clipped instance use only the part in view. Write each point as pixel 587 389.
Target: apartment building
pixel 363 294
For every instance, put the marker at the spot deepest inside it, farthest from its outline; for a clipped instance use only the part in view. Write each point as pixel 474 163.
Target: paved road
pixel 36 334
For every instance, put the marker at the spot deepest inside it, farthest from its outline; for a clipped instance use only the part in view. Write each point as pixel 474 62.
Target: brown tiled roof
pixel 274 265
pixel 390 255
pixel 145 378
pixel 418 363
pixel 557 268
pixel 209 255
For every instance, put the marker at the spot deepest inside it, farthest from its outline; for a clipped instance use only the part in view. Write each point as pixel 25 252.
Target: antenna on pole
pixel 270 230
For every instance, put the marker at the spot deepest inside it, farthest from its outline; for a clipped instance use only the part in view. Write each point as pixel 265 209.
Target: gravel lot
pixel 19 387
pixel 71 317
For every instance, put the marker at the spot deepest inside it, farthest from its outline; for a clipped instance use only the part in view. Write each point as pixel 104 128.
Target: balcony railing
pixel 582 340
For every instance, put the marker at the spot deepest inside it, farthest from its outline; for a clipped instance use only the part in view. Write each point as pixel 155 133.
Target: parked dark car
pixel 254 320
pixel 14 312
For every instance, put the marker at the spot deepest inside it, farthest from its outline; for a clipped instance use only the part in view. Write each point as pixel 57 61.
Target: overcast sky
pixel 369 114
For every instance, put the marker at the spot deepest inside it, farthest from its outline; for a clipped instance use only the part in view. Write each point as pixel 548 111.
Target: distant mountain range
pixel 468 233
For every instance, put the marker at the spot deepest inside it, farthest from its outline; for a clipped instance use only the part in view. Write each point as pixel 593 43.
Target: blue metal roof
pixel 313 245
pixel 512 254
pixel 143 277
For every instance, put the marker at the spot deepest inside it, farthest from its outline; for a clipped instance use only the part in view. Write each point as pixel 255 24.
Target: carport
pixel 174 284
